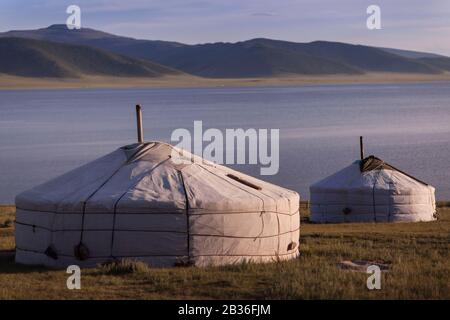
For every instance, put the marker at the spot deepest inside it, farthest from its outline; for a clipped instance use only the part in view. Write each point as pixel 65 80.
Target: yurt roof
pixel 373 163
pixel 144 177
pixel 369 173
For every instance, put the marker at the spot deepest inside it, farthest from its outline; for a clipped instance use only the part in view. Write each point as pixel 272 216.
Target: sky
pixel 422 25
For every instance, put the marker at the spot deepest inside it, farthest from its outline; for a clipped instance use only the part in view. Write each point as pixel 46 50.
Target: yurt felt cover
pixel 137 202
pixel 372 190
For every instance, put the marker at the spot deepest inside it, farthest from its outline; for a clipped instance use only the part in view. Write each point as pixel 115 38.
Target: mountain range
pixel 56 51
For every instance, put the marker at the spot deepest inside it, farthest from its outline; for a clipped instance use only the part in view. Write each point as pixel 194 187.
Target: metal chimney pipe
pixel 140 130
pixel 361 147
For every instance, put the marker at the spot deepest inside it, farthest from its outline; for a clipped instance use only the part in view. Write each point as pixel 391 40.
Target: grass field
pixel 417 255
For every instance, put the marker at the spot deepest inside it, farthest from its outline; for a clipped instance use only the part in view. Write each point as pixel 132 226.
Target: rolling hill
pixel 438 62
pixel 253 58
pixel 38 58
pixel 99 39
pixel 222 60
pixel 265 57
pixel 411 54
pixel 358 56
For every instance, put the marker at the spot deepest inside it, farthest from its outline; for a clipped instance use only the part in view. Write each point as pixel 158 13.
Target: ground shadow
pixel 9 266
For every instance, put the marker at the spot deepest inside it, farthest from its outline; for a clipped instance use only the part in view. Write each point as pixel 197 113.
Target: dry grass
pixel 124 266
pixel 417 255
pixel 7 209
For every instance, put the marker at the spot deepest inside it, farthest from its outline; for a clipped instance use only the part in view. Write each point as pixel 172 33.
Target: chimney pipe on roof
pixel 140 130
pixel 361 147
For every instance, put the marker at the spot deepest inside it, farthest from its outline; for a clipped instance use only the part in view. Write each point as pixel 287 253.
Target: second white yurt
pixel 143 203
pixel 371 190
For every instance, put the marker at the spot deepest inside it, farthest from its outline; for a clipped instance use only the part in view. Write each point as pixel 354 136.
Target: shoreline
pixel 8 82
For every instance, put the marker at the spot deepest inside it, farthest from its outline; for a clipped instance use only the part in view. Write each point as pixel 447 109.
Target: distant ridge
pixel 37 58
pixel 438 62
pixel 253 58
pixel 412 54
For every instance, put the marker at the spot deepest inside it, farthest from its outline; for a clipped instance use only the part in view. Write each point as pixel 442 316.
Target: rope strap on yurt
pixel 373 196
pixel 81 251
pixel 116 203
pixel 369 164
pixel 391 183
pixel 259 189
pixel 51 251
pixel 187 217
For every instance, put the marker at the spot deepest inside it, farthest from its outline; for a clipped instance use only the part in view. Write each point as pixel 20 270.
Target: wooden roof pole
pixel 140 129
pixel 361 147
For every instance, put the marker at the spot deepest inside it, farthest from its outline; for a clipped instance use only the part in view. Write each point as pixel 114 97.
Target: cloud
pixel 263 14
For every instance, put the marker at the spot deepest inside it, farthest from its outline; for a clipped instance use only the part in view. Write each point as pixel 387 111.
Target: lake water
pixel 44 133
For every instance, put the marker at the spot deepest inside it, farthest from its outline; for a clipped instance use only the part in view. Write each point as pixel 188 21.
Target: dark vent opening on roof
pixel 373 163
pixel 245 182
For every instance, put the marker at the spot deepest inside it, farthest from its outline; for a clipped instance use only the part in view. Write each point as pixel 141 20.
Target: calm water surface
pixel 44 133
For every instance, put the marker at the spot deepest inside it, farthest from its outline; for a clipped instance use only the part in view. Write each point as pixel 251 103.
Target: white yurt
pixel 138 202
pixel 371 190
